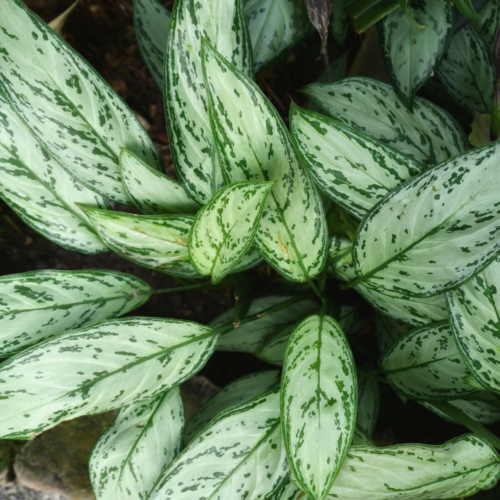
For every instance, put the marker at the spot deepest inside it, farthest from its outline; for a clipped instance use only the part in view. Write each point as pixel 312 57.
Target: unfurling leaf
pixel 57 24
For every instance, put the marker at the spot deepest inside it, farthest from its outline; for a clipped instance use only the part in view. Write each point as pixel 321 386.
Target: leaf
pixel 224 229
pixel 459 468
pixel 429 134
pixel 388 331
pixel 53 89
pixel 361 438
pixel 151 26
pixel 253 144
pixel 350 167
pixel 139 444
pixel 151 191
pixel 366 14
pixel 413 43
pixel 435 231
pixel 230 455
pixel 57 24
pixel 320 12
pixel 107 366
pixel 40 304
pixel 467 71
pixel 467 9
pixel 480 133
pixel 318 403
pixel 425 364
pixel 222 23
pixel 291 492
pixel 487 27
pixel 40 191
pixel 235 393
pixel 339 22
pixel 275 26
pixel 368 403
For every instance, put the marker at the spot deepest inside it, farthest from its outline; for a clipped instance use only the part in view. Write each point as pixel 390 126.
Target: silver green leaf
pixel 291 492
pixel 413 43
pixel 225 227
pixel 353 169
pixel 318 403
pixel 139 444
pixel 368 403
pixel 425 364
pixel 66 104
pixel 235 393
pixel 389 330
pixel 222 22
pixel 467 71
pixel 97 369
pixel 40 304
pixel 487 27
pixel 240 455
pixel 152 192
pixel 458 468
pixel 429 134
pixel 253 144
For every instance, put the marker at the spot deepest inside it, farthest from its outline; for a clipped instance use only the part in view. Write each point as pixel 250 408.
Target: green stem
pixel 197 286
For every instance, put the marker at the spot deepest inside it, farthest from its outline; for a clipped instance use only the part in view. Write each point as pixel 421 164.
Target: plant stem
pixel 196 286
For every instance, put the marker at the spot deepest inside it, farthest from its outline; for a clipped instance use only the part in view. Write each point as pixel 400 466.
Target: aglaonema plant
pixel 377 193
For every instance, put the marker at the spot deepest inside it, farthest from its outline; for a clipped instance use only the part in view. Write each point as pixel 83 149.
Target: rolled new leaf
pixel 97 369
pixel 467 9
pixel 318 403
pixel 139 444
pixel 368 403
pixel 225 227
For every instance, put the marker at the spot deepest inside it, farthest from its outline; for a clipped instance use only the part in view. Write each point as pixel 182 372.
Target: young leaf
pixel 339 22
pixel 139 444
pixel 52 89
pixel 239 455
pixel 107 366
pixel 487 27
pixel 458 468
pixel 413 41
pixel 368 403
pixel 151 191
pixel 388 331
pixel 254 145
pixel 425 364
pixel 353 169
pixel 467 9
pixel 467 71
pixel 41 304
pixel 429 134
pixel 318 403
pixel 223 23
pixel 224 229
pixel 235 393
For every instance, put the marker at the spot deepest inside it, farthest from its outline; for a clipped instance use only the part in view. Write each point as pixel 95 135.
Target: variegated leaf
pixel 291 492
pixel 425 365
pixel 139 444
pixel 361 438
pixel 435 231
pixel 467 71
pixel 151 191
pixel 458 468
pixel 97 369
pixel 429 134
pixel 487 27
pixel 229 457
pixel 66 104
pixel 225 227
pixel 254 145
pixel 368 403
pixel 235 393
pixel 40 304
pixel 340 22
pixel 222 22
pixel 318 403
pixel 413 41
pixel 352 168
pixel 389 330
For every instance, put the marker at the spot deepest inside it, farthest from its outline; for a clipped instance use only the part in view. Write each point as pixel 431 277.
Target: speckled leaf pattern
pixel 251 336
pixel 425 364
pixel 475 320
pixel 435 231
pixel 412 53
pixel 222 22
pixel 152 192
pixel 467 71
pixel 275 27
pixel 40 304
pixel 318 403
pixel 389 330
pixel 429 135
pixel 107 366
pixel 487 27
pixel 151 25
pixel 368 403
pixel 225 227
pixel 67 106
pixel 458 468
pixel 361 438
pixel 235 393
pixel 254 145
pixel 139 444
pixel 350 167
pixel 240 456
pixel 291 492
